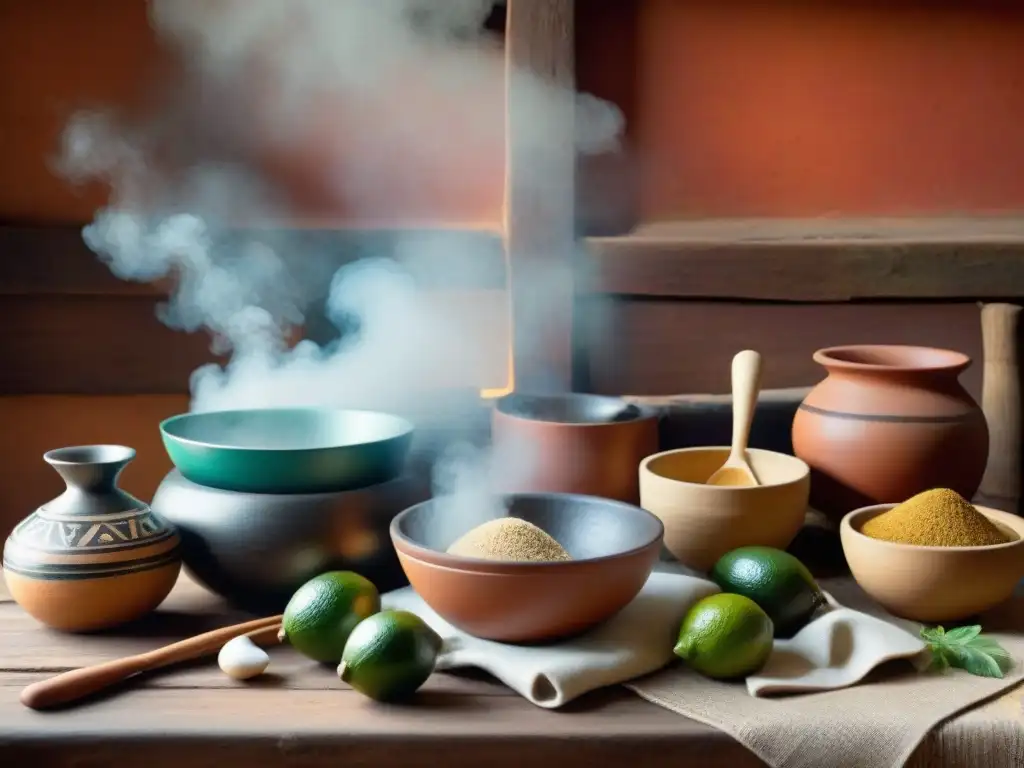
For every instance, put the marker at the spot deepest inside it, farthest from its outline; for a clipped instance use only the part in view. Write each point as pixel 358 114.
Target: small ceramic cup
pixel 933 584
pixel 703 522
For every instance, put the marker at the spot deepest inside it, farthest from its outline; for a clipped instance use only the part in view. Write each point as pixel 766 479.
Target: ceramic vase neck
pixel 90 473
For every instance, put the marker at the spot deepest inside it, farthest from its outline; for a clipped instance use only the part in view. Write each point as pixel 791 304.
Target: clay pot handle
pixel 79 683
pixel 1001 401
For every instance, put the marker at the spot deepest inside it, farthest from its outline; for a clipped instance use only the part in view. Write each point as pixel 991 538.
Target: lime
pixel 389 655
pixel 324 611
pixel 775 580
pixel 725 636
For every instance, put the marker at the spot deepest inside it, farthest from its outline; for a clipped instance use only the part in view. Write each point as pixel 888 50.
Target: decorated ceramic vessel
pixel 95 556
pixel 889 422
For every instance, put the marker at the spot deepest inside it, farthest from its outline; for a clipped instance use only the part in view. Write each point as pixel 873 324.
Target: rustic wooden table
pixel 301 715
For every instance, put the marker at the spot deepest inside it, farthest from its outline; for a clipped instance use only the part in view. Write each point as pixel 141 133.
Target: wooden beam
pixel 819 260
pixel 540 190
pixel 53 259
pixel 650 347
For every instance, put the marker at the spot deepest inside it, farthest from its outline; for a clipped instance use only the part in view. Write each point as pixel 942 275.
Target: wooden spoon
pixel 746 381
pixel 79 683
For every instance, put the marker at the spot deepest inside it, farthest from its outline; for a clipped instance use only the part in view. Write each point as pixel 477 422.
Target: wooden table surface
pixel 301 715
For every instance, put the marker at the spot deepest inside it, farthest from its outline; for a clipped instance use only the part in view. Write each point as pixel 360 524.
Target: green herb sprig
pixel 967 649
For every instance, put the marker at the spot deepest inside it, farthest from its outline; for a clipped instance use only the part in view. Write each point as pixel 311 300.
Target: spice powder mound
pixel 509 538
pixel 935 518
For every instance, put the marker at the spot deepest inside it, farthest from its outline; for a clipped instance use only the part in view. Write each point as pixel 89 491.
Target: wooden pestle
pixel 1001 401
pixel 70 686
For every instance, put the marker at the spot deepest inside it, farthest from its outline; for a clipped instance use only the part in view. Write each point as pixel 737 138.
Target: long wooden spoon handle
pixel 746 381
pixel 79 683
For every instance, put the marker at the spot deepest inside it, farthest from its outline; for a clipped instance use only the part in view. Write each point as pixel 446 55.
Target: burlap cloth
pixel 878 723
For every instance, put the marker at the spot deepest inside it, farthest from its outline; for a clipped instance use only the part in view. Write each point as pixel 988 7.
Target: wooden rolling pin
pixel 71 686
pixel 1002 389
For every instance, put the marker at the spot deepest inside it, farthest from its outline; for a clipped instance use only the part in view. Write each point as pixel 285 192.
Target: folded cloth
pixel 877 723
pixel 636 641
pixel 836 650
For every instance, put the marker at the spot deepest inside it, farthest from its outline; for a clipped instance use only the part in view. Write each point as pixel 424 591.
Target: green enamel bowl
pixel 288 450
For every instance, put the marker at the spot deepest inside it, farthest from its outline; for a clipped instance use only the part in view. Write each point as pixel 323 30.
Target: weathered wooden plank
pixel 94 345
pixel 540 190
pixel 813 260
pixel 77 344
pixel 300 711
pixel 649 347
pixel 264 726
pixel 53 259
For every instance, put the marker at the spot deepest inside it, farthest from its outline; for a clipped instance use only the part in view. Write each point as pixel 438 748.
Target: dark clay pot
pixel 887 423
pixel 257 549
pixel 572 443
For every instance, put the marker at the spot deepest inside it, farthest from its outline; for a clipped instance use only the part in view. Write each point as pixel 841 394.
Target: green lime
pixel 389 655
pixel 725 636
pixel 324 611
pixel 773 579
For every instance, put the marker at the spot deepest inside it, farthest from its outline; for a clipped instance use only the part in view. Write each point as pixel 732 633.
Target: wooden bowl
pixel 703 522
pixel 614 548
pixel 933 584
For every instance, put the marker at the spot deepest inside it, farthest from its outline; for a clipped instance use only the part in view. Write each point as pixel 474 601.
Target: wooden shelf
pixel 812 260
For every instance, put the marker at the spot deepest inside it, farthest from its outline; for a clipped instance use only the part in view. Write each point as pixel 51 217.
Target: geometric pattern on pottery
pixel 88 534
pixel 38 545
pixel 72 572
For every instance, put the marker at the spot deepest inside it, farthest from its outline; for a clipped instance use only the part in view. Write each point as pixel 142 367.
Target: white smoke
pixel 370 93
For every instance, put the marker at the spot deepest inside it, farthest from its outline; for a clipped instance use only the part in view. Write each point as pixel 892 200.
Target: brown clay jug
pixel 889 422
pixel 95 556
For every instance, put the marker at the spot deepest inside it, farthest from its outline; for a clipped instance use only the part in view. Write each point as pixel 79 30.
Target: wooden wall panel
pixel 651 347
pixel 80 344
pixel 93 345
pixel 33 425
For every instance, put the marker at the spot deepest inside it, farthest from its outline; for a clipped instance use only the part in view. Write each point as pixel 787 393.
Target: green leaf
pixel 963 634
pixel 992 648
pixel 967 649
pixel 977 663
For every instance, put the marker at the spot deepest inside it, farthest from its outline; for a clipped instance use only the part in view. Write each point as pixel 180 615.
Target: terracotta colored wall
pixel 57 56
pixel 779 108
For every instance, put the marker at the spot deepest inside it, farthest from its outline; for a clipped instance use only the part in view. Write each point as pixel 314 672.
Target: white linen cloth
pixel 636 641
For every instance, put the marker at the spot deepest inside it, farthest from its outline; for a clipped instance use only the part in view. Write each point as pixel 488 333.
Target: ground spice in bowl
pixel 509 538
pixel 936 518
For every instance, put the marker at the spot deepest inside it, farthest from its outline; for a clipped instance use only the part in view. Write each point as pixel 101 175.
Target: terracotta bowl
pixel 571 443
pixel 934 584
pixel 614 548
pixel 703 522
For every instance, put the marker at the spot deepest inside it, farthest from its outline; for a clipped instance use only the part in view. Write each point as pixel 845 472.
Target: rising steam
pixel 192 203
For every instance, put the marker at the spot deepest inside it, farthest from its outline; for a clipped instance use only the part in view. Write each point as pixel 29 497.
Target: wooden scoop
pixel 79 683
pixel 746 381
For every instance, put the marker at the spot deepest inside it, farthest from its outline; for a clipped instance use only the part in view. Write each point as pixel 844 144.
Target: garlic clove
pixel 240 658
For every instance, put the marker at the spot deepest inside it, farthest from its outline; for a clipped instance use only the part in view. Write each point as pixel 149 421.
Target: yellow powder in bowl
pixel 935 518
pixel 509 538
